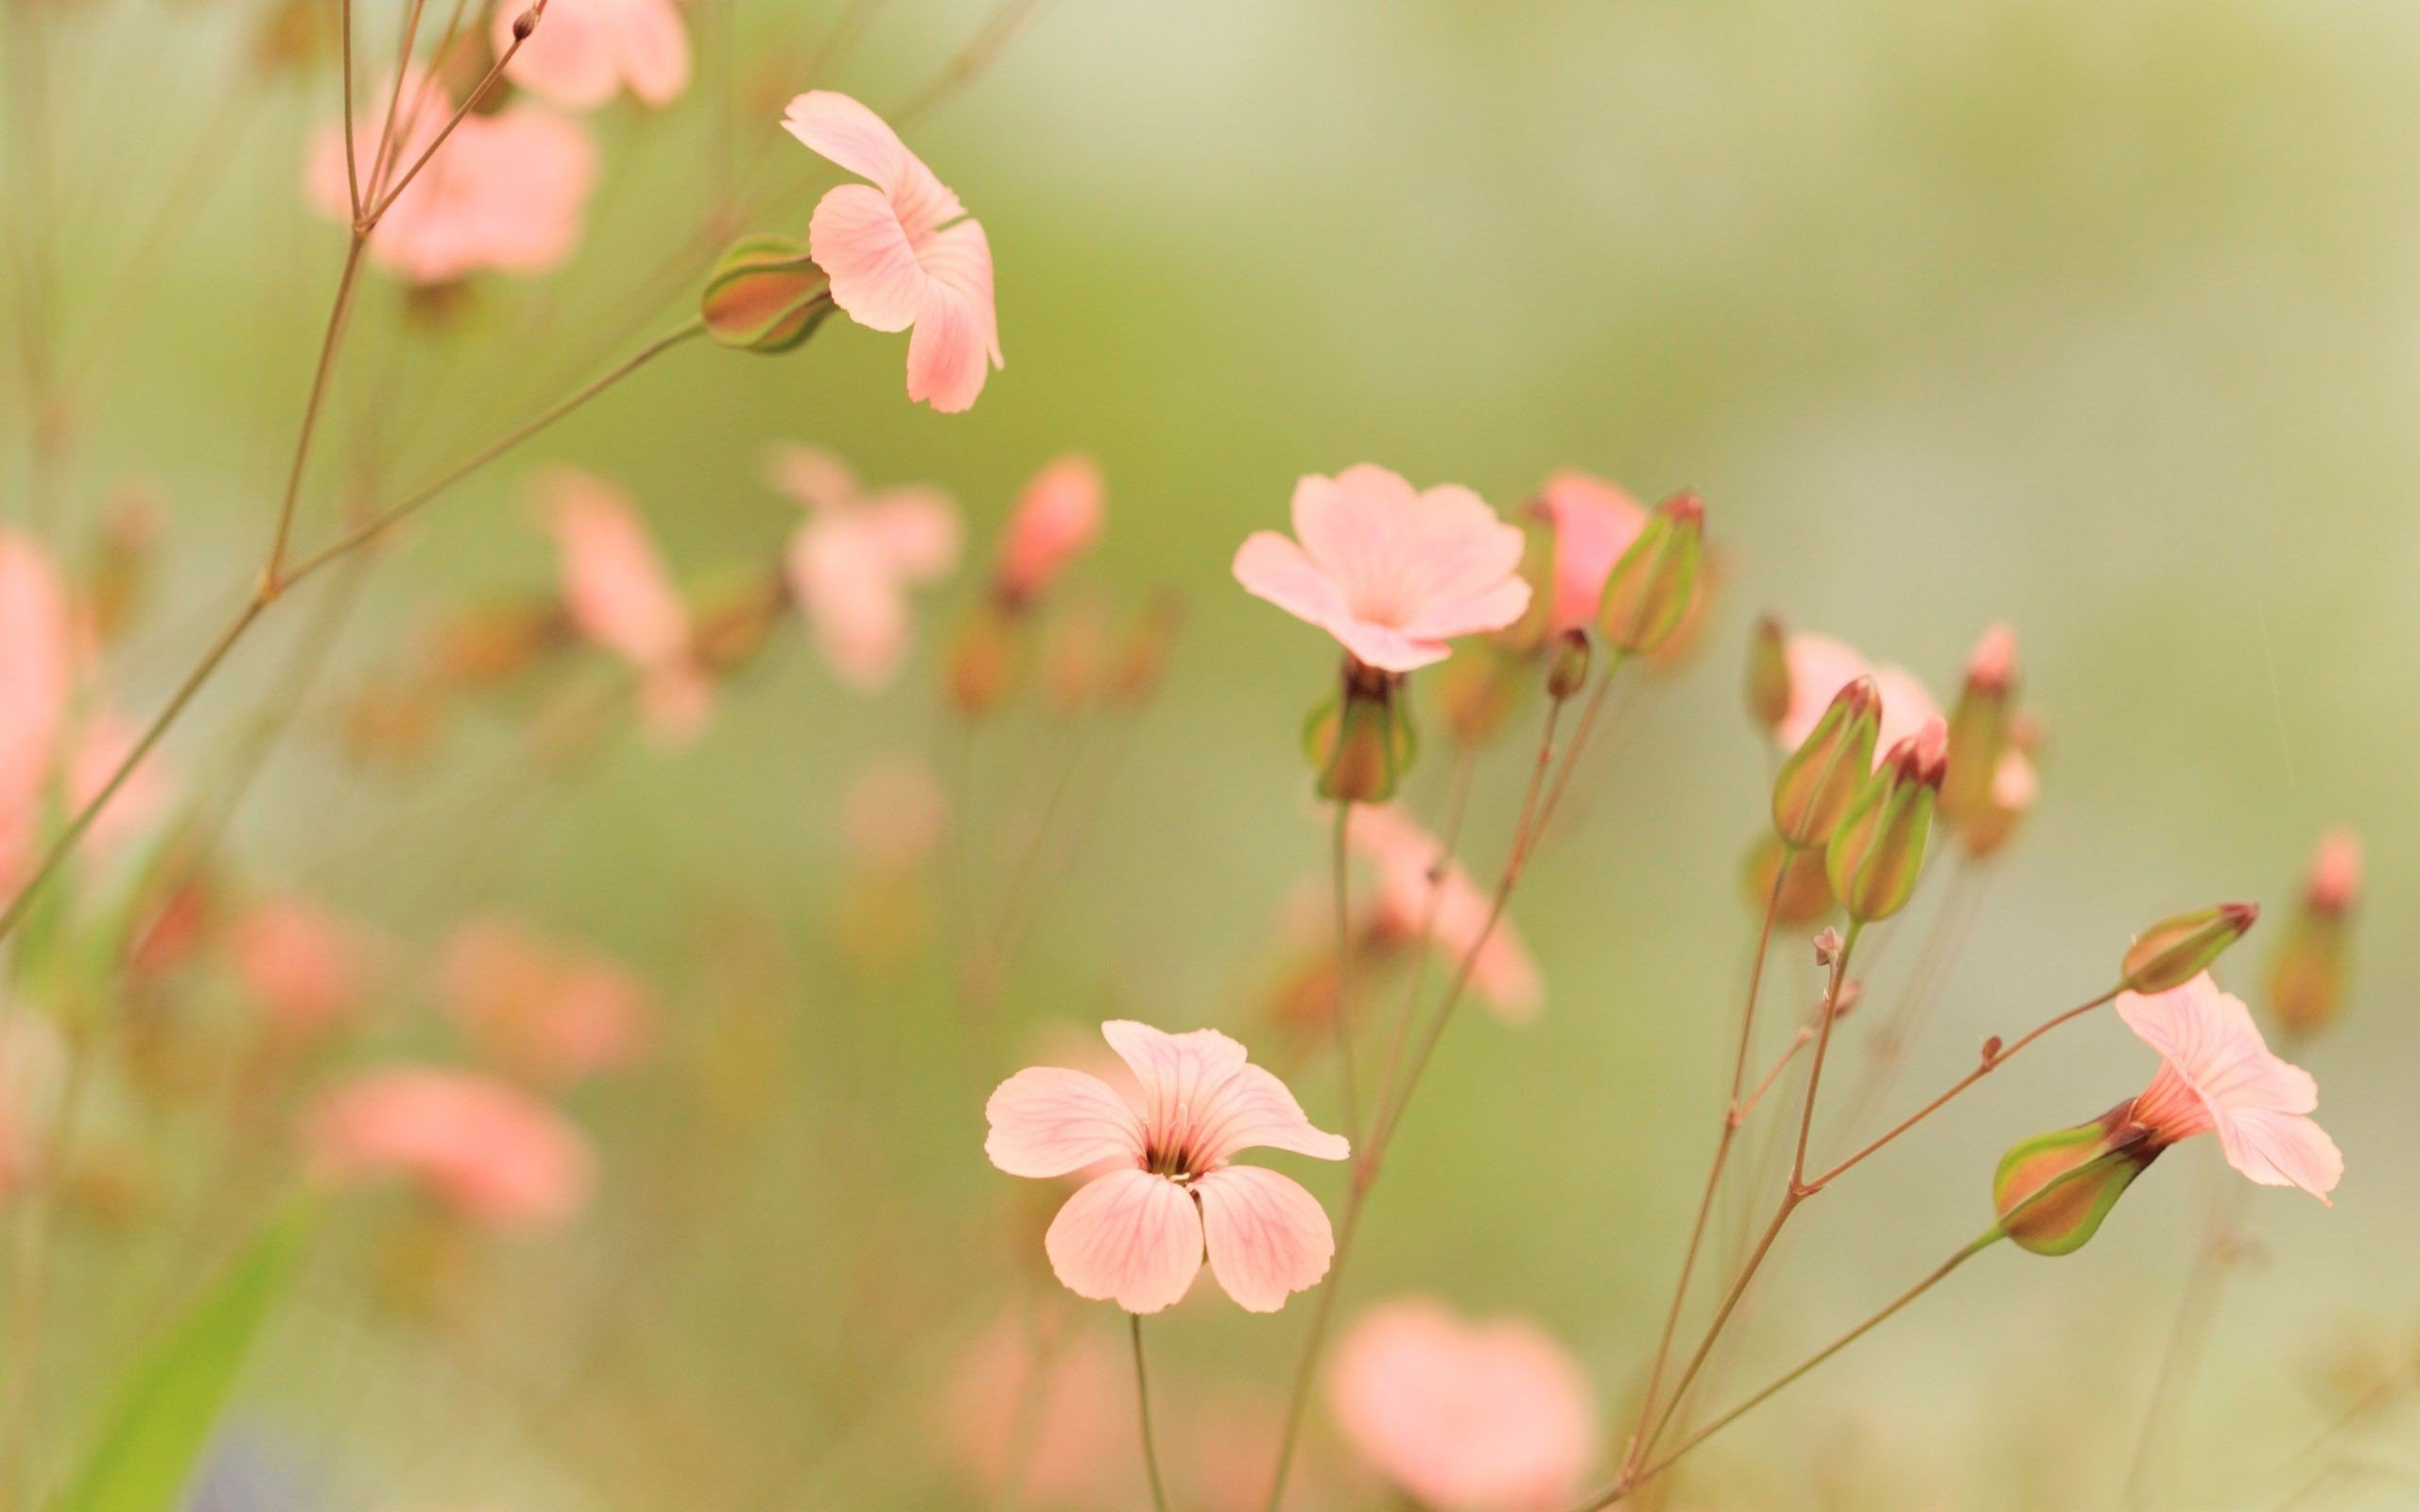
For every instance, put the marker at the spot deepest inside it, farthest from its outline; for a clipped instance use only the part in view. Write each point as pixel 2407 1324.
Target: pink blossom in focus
pixel 306 966
pixel 585 51
pixel 900 252
pixel 539 1010
pixel 1593 522
pixel 483 1147
pixel 1136 1234
pixel 1056 518
pixel 1820 667
pixel 2216 1074
pixel 1488 1416
pixel 1391 572
pixel 618 594
pixel 1454 909
pixel 853 561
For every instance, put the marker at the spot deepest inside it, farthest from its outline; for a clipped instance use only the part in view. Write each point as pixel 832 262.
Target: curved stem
pixel 1143 1403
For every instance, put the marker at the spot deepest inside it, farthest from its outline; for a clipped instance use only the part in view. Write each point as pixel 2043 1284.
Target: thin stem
pixel 990 40
pixel 351 173
pixel 331 340
pixel 1458 791
pixel 1343 1013
pixel 1822 1045
pixel 1143 1404
pixel 1798 1041
pixel 386 200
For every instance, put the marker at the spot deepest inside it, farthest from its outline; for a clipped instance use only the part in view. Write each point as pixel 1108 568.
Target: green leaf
pixel 152 1443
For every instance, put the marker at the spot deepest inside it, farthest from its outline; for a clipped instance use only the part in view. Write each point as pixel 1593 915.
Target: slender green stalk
pixel 1143 1404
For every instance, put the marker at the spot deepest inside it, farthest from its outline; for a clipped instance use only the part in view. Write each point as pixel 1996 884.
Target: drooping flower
pixel 901 252
pixel 1136 1234
pixel 1056 518
pixel 2217 1075
pixel 1392 572
pixel 542 1011
pixel 1820 666
pixel 482 1147
pixel 1464 1417
pixel 617 594
pixel 853 561
pixel 306 966
pixel 586 51
pixel 1593 522
pixel 1453 910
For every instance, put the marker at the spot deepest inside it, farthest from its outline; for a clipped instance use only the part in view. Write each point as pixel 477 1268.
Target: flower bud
pixel 1767 673
pixel 1876 853
pixel 1649 592
pixel 1567 664
pixel 2175 951
pixel 1806 896
pixel 2307 979
pixel 2052 1190
pixel 1822 775
pixel 1361 742
pixel 763 295
pixel 1142 659
pixel 734 630
pixel 983 661
pixel 1978 726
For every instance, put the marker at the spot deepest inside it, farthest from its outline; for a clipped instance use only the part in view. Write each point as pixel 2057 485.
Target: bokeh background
pixel 2100 320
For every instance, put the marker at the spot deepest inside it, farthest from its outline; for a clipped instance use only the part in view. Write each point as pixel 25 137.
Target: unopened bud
pixel 484 646
pixel 1806 896
pixel 983 661
pixel 1361 742
pixel 1978 726
pixel 2307 977
pixel 764 294
pixel 1823 774
pixel 2335 883
pixel 1767 673
pixel 1876 853
pixel 129 533
pixel 524 24
pixel 1647 592
pixel 1567 664
pixel 2175 951
pixel 2052 1190
pixel 1142 659
pixel 1074 658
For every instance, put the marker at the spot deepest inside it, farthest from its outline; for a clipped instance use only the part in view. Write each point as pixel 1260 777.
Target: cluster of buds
pixel 1877 850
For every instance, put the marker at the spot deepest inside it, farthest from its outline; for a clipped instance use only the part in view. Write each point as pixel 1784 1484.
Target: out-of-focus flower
pixel 2308 976
pixel 901 253
pixel 893 813
pixel 505 193
pixel 1593 522
pixel 306 966
pixel 1036 1414
pixel 539 1010
pixel 1392 572
pixel 853 561
pixel 1820 667
pixel 2217 1075
pixel 616 591
pixel 483 1148
pixel 1488 1416
pixel 1056 517
pixel 1136 1234
pixel 37 648
pixel 586 51
pixel 1503 974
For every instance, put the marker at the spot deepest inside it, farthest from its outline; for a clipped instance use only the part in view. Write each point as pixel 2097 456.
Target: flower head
pixel 617 592
pixel 853 561
pixel 1056 517
pixel 1486 1417
pixel 1392 572
pixel 1136 1234
pixel 543 1012
pixel 304 964
pixel 1593 522
pixel 586 51
pixel 2217 1075
pixel 1448 905
pixel 1820 666
pixel 900 252
pixel 486 1149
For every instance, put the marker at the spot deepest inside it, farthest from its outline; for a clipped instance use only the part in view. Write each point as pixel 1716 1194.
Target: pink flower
pixel 2335 883
pixel 852 563
pixel 584 51
pixel 1056 518
pixel 539 1010
pixel 1503 976
pixel 618 594
pixel 482 1147
pixel 1390 572
pixel 504 193
pixel 2216 1074
pixel 900 254
pixel 1135 1235
pixel 1489 1417
pixel 1593 522
pixel 1820 667
pixel 304 964
pixel 36 675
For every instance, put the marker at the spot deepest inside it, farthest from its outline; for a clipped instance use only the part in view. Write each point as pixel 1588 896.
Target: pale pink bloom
pixel 900 252
pixel 1391 572
pixel 893 813
pixel 37 673
pixel 1454 909
pixel 1992 662
pixel 1136 1234
pixel 1820 666
pixel 2015 783
pixel 2335 883
pixel 1056 518
pixel 482 1147
pixel 1038 1414
pixel 853 561
pixel 505 193
pixel 1593 522
pixel 306 966
pixel 542 1011
pixel 585 51
pixel 1486 1417
pixel 2216 1074
pixel 618 594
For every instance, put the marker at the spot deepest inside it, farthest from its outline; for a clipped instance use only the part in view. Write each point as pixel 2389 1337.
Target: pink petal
pixel 1272 567
pixel 1388 649
pixel 1252 1110
pixel 1056 517
pixel 853 136
pixel 1594 524
pixel 849 589
pixel 492 1151
pixel 1460 566
pixel 1177 1072
pixel 654 50
pixel 1344 523
pixel 918 531
pixel 570 60
pixel 1047 1121
pixel 2282 1149
pixel 1268 1238
pixel 811 475
pixel 855 237
pixel 615 585
pixel 1128 1237
pixel 957 330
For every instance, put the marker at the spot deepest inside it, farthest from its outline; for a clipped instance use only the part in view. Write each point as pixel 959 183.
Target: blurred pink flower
pixel 617 592
pixel 1820 666
pixel 901 253
pixel 504 193
pixel 893 813
pixel 1056 518
pixel 1136 1234
pixel 1491 1417
pixel 1593 522
pixel 36 661
pixel 1036 1414
pixel 585 51
pixel 2335 883
pixel 2216 1074
pixel 483 1147
pixel 306 966
pixel 853 561
pixel 539 1010
pixel 1504 975
pixel 1391 572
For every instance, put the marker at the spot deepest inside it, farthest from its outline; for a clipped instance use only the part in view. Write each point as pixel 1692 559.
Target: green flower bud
pixel 1806 896
pixel 2175 951
pixel 1567 664
pixel 763 295
pixel 1768 674
pixel 1361 742
pixel 1823 774
pixel 1648 594
pixel 2052 1190
pixel 1978 726
pixel 1876 853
